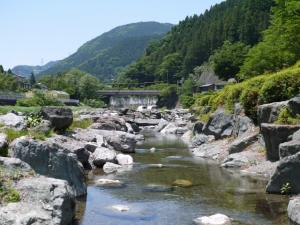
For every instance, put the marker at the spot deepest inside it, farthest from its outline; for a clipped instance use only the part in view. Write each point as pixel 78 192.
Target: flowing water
pixel 214 190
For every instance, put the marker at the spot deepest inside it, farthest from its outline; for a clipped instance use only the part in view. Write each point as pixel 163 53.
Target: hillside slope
pixel 194 39
pixel 25 71
pixel 106 54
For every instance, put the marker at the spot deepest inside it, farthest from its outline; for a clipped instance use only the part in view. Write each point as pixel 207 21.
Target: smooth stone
pixel 158 188
pixel 124 159
pixel 109 183
pixel 217 219
pixel 120 208
pixel 111 167
pixel 182 183
pixel 152 150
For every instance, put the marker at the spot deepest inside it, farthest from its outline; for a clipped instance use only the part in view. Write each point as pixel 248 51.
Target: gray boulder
pixel 44 201
pixel 242 143
pixel 102 156
pixel 294 209
pixel 161 125
pixel 198 127
pixel 296 136
pixel 14 164
pixel 289 148
pixel 294 105
pixel 220 124
pixel 111 167
pixel 110 123
pixel 199 140
pixel 235 161
pixel 287 172
pixel 268 113
pixel 146 122
pixel 60 118
pixel 242 125
pixel 50 160
pixel 274 135
pixel 13 120
pixel 43 127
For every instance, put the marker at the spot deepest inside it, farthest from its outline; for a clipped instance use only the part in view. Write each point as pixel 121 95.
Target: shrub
pixel 94 103
pixel 187 101
pixel 286 117
pixel 38 99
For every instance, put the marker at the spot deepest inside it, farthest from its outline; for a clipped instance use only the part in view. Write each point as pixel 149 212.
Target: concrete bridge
pixel 130 98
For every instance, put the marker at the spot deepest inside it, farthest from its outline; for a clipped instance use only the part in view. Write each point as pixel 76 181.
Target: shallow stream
pixel 153 199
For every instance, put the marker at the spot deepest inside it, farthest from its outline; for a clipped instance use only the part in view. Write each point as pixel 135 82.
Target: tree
pixel 228 59
pixel 88 87
pixel 1 69
pixel 32 79
pixel 280 46
pixel 169 69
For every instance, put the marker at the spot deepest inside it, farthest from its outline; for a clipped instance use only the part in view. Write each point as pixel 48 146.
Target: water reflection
pixel 214 190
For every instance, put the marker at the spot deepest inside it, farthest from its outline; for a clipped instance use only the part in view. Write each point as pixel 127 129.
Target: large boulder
pixel 103 155
pixel 235 161
pixel 269 113
pixel 13 120
pixel 43 201
pixel 220 124
pixel 51 160
pixel 146 122
pixel 287 173
pixel 60 118
pixel 243 142
pixel 294 209
pixel 274 135
pixel 80 149
pixel 124 159
pixel 109 123
pixel 242 125
pixel 200 139
pixel 294 105
pixel 198 127
pixel 289 148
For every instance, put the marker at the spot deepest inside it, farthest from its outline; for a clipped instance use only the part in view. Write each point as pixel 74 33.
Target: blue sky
pixel 37 31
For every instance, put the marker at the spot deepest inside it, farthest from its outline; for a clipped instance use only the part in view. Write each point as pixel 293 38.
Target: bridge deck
pixel 128 92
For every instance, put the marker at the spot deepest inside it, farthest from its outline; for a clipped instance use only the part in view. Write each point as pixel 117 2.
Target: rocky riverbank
pixel 55 166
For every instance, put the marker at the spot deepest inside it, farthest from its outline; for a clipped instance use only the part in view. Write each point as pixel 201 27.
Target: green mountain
pixel 105 55
pixel 193 40
pixel 25 71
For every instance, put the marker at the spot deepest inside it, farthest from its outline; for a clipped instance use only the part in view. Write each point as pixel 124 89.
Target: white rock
pixel 111 167
pixel 109 183
pixel 124 159
pixel 13 120
pixel 152 150
pixel 217 219
pixel 120 208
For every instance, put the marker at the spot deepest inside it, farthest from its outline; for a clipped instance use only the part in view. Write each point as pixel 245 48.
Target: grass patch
pixel 83 124
pixel 7 109
pixel 7 192
pixel 286 117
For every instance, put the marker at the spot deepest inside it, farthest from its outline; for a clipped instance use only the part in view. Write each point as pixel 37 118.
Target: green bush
pixel 38 99
pixel 83 124
pixel 94 103
pixel 286 117
pixel 187 101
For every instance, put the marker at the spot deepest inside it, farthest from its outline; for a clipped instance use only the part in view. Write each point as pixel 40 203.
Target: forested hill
pixel 194 39
pixel 26 71
pixel 108 53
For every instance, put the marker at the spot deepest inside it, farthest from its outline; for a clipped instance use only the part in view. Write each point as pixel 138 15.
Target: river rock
pixel 274 135
pixel 111 167
pixel 43 127
pixel 44 201
pixel 268 113
pixel 146 122
pixel 50 160
pixel 182 183
pixel 198 127
pixel 289 148
pixel 124 159
pixel 73 146
pixel 217 219
pixel 242 143
pixel 199 140
pixel 103 155
pixel 60 118
pixel 235 161
pixel 288 171
pixel 3 143
pixel 110 123
pixel 296 136
pixel 242 125
pixel 294 209
pixel 108 183
pixel 14 121
pixel 294 105
pixel 14 164
pixel 220 124
pixel 161 125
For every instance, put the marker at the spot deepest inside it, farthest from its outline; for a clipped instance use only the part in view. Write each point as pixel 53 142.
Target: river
pixel 214 190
